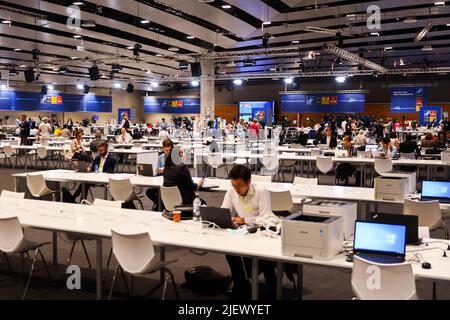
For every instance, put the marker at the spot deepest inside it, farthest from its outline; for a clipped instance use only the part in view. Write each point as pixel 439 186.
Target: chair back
pixel 215 159
pixel 42 152
pixel 324 164
pixel 9 151
pixel 36 184
pixel 308 181
pixel 409 155
pixel 429 212
pixel 315 152
pixel 281 200
pixel 372 281
pixel 121 189
pixel 14 142
pixel 270 163
pixel 171 197
pixel 11 234
pixel 135 252
pixel 258 178
pixel 107 203
pixel 382 166
pixel 10 194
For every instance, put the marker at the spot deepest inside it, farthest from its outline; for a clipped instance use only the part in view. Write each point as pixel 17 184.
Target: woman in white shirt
pixel 360 139
pixel 45 130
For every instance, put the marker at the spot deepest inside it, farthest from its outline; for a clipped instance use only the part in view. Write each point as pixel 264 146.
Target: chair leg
pixel 125 282
pixel 69 259
pixel 113 282
pixel 166 275
pixel 36 252
pixel 86 254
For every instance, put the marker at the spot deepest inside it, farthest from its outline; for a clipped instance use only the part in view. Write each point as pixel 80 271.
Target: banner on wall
pixel 122 112
pixel 262 110
pixel 54 102
pixel 430 115
pixel 408 100
pixel 323 102
pixel 171 105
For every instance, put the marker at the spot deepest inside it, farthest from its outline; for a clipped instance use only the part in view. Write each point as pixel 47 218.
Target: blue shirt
pixel 161 161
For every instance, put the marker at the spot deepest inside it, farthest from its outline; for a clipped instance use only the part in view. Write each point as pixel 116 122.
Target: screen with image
pixel 436 189
pixel 387 238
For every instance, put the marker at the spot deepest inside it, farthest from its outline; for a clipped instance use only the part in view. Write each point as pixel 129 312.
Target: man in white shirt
pixel 344 124
pixel 125 137
pixel 247 201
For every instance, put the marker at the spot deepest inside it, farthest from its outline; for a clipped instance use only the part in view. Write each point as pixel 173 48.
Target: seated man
pixel 247 201
pixel 125 137
pixel 329 139
pixel 409 146
pixel 388 149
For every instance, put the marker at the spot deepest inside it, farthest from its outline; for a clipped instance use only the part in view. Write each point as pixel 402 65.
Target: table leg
pixel 105 192
pixel 362 176
pixel 300 281
pixel 255 272
pixel 55 248
pixel 280 269
pixel 162 258
pixel 99 269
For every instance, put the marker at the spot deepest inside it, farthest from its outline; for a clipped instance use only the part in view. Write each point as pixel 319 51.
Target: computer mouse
pixel 349 258
pixel 252 229
pixel 426 265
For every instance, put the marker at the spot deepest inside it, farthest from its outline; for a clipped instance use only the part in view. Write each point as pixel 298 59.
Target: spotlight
pixel 50 87
pixel 184 65
pixel 238 82
pixel 116 68
pixel 79 86
pixel 117 85
pixel 195 83
pixel 63 70
pixel 44 90
pixel 35 53
pixel 265 40
pixel 288 80
pixel 136 49
pixel 86 89
pixel 154 84
pixel 340 79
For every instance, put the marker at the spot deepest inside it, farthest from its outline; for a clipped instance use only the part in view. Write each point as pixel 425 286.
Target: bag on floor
pixel 67 196
pixel 205 281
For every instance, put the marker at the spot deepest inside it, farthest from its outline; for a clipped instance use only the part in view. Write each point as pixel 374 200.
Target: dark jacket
pixel 409 147
pixel 108 167
pixel 25 132
pixel 179 176
pixel 95 143
pixel 333 141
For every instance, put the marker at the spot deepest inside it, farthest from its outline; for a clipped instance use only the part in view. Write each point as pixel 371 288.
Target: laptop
pixel 364 154
pixel 219 216
pixel 370 147
pixel 80 166
pixel 145 170
pixel 436 190
pixel 340 153
pixel 411 223
pixel 380 242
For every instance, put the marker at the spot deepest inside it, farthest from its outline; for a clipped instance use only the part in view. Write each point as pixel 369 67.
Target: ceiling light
pixel 55 69
pixel 73 58
pixel 226 6
pixel 6 21
pixel 174 49
pixel 77 3
pixel 63 70
pixel 387 48
pixel 195 83
pixel 427 48
pixel 295 42
pixel 158 55
pixel 440 3
pixel 145 21
pixel 117 85
pixel 190 37
pixel 410 20
pixel 238 82
pixel 375 34
pixel 77 36
pixel 288 80
pixel 23 66
pixel 273 69
pixel 3 86
pixel 266 23
pixel 448 24
pixel 340 79
pixel 80 86
pixel 130 47
pixel 154 84
pixel 17 49
pixel 402 62
pixel 89 24
pixel 50 87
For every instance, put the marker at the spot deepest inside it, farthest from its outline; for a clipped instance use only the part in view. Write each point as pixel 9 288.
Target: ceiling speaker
pixel 94 74
pixel 29 75
pixel 196 69
pixel 130 88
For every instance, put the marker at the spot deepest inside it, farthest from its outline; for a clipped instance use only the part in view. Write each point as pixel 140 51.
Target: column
pixel 207 93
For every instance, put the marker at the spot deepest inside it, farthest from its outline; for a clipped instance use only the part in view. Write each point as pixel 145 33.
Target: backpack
pixel 205 281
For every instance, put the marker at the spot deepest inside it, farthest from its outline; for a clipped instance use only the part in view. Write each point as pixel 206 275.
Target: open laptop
pixel 219 216
pixel 370 147
pixel 436 190
pixel 380 242
pixel 145 170
pixel 80 166
pixel 411 223
pixel 341 153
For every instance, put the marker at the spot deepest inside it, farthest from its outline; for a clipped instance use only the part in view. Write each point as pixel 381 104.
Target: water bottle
pixel 196 208
pixel 96 168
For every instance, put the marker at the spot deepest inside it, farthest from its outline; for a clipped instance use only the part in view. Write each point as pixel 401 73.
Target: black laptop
pixel 145 170
pixel 436 190
pixel 380 242
pixel 218 216
pixel 411 223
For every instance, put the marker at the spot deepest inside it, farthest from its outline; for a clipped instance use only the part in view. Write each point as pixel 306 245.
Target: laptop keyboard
pixel 384 259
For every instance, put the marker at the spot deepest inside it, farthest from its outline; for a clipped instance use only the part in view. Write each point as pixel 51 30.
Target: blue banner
pixel 325 103
pixel 256 109
pixel 174 106
pixel 54 102
pixel 430 115
pixel 408 100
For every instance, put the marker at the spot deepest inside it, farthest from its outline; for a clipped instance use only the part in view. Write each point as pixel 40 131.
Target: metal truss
pixel 272 52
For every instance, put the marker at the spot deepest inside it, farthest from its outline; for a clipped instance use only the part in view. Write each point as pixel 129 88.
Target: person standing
pixel 24 130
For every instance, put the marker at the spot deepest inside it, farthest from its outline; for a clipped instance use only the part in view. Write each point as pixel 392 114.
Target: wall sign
pixel 326 102
pixel 408 100
pixel 168 105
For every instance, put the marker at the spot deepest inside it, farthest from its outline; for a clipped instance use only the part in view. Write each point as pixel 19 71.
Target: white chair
pixel 215 161
pixel 308 181
pixel 325 165
pixel 269 165
pixel 107 203
pixel 37 186
pixel 42 154
pixel 258 178
pixel 10 194
pixel 382 166
pixel 288 164
pixel 315 152
pixel 13 241
pixel 396 281
pixel 122 190
pixel 171 197
pixel 9 154
pixel 281 202
pixel 136 256
pixel 429 213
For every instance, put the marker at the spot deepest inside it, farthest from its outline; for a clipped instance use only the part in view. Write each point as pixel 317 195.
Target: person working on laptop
pixel 125 137
pixel 152 193
pixel 409 146
pixel 345 170
pixel 248 201
pixel 330 139
pixel 389 150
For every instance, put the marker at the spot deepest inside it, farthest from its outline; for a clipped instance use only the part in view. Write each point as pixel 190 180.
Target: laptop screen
pixel 370 147
pixel 380 238
pixel 436 189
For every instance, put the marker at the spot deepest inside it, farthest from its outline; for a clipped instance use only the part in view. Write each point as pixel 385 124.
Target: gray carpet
pixel 319 282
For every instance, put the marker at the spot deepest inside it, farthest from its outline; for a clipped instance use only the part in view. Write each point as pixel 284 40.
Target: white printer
pixel 313 236
pixel 391 188
pixel 347 210
pixel 411 176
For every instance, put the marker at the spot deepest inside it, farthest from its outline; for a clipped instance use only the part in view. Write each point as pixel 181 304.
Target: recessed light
pixel 6 21
pixel 145 21
pixel 387 48
pixel 440 3
pixel 190 37
pixel 77 36
pixel 17 49
pixel 295 42
pixel 77 3
pixel 130 47
pixel 375 34
pixel 266 23
pixel 226 6
pixel 174 49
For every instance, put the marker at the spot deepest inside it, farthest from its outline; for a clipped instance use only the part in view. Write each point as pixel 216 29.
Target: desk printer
pixel 312 236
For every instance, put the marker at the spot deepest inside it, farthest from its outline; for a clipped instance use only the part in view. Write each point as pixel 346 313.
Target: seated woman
pixel 176 174
pixel 77 151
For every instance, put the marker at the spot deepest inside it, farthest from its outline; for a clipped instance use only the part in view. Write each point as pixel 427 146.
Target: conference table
pixel 99 221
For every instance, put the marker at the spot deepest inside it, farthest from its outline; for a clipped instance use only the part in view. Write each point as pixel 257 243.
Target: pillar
pixel 207 92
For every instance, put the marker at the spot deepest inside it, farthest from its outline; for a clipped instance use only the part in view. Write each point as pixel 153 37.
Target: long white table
pixel 99 221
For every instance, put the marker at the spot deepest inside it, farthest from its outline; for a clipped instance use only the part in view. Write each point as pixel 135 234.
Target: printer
pixel 391 188
pixel 312 236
